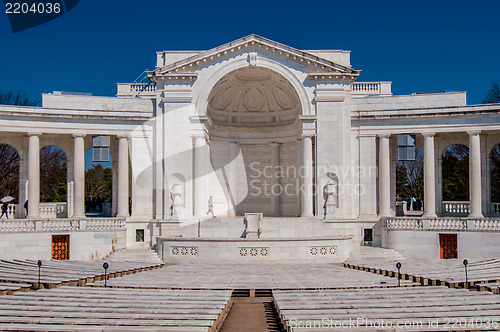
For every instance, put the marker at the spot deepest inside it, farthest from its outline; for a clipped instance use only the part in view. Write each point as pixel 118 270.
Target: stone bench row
pixel 75 307
pixel 64 273
pixel 435 307
pixel 451 274
pixel 9 288
pixel 83 328
pixel 433 267
pixel 493 287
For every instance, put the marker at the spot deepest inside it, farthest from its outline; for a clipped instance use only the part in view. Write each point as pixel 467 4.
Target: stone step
pixel 134 255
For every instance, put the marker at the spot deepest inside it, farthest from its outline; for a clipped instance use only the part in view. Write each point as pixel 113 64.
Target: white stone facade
pixel 255 126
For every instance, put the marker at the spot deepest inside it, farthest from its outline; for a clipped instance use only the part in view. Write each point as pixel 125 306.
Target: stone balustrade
pixel 442 224
pixel 47 210
pixel 60 224
pixel 487 224
pixel 53 210
pixel 451 224
pixel 403 223
pixel 495 210
pixel 371 88
pixel 17 225
pixel 134 89
pixel 456 209
pixel 11 210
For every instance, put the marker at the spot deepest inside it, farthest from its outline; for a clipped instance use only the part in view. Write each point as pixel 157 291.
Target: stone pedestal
pixel 253 225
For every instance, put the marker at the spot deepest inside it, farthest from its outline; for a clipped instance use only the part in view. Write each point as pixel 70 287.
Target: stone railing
pixel 442 224
pixel 134 89
pixel 11 210
pixel 448 224
pixel 372 88
pixel 487 224
pixel 495 210
pixel 47 210
pixel 17 225
pixel 403 223
pixel 53 210
pixel 455 209
pixel 105 224
pixel 58 225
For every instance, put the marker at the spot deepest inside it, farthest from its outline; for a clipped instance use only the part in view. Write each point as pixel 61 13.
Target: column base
pixel 429 216
pixel 475 216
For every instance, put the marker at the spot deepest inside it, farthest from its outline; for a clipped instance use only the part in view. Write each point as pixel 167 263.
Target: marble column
pixel 384 176
pixel 475 174
pixel 275 180
pixel 33 176
pixel 79 176
pixel 233 178
pixel 200 164
pixel 306 174
pixel 429 177
pixel 123 190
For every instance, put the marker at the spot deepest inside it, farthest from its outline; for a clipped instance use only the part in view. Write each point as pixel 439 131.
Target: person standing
pixel 5 210
pixel 211 207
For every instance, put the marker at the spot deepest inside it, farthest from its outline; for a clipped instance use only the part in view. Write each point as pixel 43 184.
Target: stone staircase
pixel 143 255
pixel 365 253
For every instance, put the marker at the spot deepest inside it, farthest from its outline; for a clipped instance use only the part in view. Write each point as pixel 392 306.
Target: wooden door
pixel 448 246
pixel 60 247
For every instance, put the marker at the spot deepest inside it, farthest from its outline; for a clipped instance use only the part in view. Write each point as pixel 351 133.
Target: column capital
pixel 123 136
pixel 367 135
pixel 474 132
pixel 273 144
pixel 303 136
pixel 384 135
pixel 203 136
pixel 429 133
pixel 79 135
pixel 234 143
pixel 34 133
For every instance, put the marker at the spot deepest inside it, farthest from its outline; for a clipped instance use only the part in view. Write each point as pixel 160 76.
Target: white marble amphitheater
pixel 252 152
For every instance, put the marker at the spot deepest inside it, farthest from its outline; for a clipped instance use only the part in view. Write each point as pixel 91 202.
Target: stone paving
pixel 252 277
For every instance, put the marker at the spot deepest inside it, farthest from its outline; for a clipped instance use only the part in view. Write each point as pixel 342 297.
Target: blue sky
pixel 418 45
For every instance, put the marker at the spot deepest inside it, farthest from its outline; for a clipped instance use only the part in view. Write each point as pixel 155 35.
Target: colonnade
pixel 430 175
pixel 78 174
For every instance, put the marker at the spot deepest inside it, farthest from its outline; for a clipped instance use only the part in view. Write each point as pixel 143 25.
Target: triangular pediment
pixel 319 67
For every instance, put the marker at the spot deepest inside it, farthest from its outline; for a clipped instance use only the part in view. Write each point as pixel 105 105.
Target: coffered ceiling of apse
pixel 253 97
